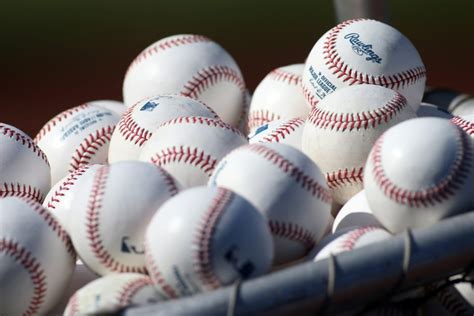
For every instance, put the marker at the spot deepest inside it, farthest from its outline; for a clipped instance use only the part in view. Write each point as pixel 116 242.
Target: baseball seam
pixel 352 237
pixel 260 117
pixel 203 239
pixel 131 130
pixel 166 44
pixel 126 293
pixel 299 176
pixel 345 176
pixel 92 226
pixel 285 76
pixel 336 64
pixel 201 120
pixel 341 122
pixel 58 119
pixel 191 156
pixel 309 96
pixel 293 232
pixel 156 274
pixel 208 77
pixel 20 190
pixel 21 255
pixel 283 131
pixel 24 140
pixel 65 186
pixel 465 125
pixel 90 146
pixel 431 195
pixel 73 305
pixel 169 181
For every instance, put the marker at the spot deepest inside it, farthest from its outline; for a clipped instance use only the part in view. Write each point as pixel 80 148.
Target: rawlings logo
pixel 362 49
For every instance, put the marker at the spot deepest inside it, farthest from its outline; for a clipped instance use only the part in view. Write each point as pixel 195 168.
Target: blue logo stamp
pixel 149 106
pixel 362 49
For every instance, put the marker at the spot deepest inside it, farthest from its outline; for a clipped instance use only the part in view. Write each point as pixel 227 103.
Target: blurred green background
pixel 58 54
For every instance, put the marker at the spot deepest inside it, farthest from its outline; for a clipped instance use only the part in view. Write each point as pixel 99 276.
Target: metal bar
pixel 362 276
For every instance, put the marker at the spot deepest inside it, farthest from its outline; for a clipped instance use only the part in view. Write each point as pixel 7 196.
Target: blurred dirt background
pixel 57 54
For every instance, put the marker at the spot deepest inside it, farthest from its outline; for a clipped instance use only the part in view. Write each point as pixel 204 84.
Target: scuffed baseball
pixel 76 137
pixel 205 238
pixel 112 211
pixel 36 258
pixel 111 293
pixel 363 51
pixel 140 121
pixel 287 187
pixel 24 168
pixel 287 132
pixel 419 172
pixel 341 130
pixel 278 96
pixel 189 148
pixel 190 65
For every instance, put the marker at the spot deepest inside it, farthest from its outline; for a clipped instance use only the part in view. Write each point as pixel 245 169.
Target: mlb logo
pixel 149 106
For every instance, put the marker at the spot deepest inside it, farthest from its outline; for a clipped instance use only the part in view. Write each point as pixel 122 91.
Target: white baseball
pixel 208 248
pixel 112 211
pixel 189 148
pixel 419 172
pixel 140 121
pixel 351 239
pixel 36 258
pixel 76 137
pixel 24 168
pixel 111 293
pixel 288 132
pixel 341 130
pixel 466 123
pixel 464 107
pixel 190 65
pixel 362 51
pixel 287 187
pixel 59 198
pixel 355 213
pixel 115 106
pixel 278 96
pixel 431 110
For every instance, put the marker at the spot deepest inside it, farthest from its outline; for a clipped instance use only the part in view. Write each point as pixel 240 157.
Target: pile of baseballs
pixel 191 184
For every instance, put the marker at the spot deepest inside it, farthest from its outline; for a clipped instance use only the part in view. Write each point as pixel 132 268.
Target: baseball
pixel 190 65
pixel 341 130
pixel 419 172
pixel 287 187
pixel 189 148
pixel 351 239
pixel 466 123
pixel 36 258
pixel 431 110
pixel 278 96
pixel 355 213
pixel 288 132
pixel 76 137
pixel 24 168
pixel 112 211
pixel 112 293
pixel 112 105
pixel 140 121
pixel 209 249
pixel 362 51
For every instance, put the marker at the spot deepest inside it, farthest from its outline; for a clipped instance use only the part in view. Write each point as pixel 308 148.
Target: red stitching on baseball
pixel 202 240
pixel 90 146
pixel 201 120
pixel 285 76
pixel 131 288
pixel 188 155
pixel 293 232
pixel 465 125
pixel 344 176
pixel 130 129
pixel 304 180
pixel 156 274
pixel 65 186
pixel 57 119
pixel 21 255
pixel 20 190
pixel 326 119
pixel 207 77
pixel 258 118
pixel 73 304
pixel 352 237
pixel 352 76
pixel 309 96
pixel 434 194
pixel 166 44
pixel 24 140
pixel 93 226
pixel 169 181
pixel 283 130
